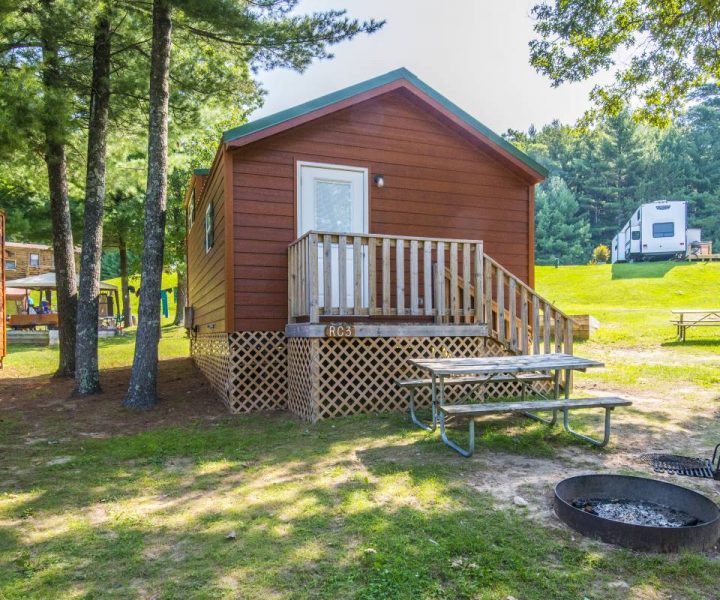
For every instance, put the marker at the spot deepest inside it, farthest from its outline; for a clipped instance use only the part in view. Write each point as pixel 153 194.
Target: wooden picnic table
pixel 695 317
pixel 483 370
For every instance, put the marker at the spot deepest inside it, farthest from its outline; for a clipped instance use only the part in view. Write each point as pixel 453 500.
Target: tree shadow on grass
pixel 310 520
pixel 646 270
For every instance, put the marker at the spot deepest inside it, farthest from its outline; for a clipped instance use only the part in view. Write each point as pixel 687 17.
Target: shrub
pixel 600 255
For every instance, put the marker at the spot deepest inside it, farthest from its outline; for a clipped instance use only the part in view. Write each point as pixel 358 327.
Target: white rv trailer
pixel 617 251
pixel 655 230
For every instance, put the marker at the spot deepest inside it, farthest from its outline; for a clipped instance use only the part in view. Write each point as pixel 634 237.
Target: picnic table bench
pixel 695 318
pixel 522 369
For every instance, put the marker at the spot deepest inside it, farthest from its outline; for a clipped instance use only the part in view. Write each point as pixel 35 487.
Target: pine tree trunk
pixel 181 297
pixel 87 374
pixel 54 155
pixel 142 392
pixel 124 282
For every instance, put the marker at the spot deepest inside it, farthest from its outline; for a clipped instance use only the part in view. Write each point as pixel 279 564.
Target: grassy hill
pixel 633 301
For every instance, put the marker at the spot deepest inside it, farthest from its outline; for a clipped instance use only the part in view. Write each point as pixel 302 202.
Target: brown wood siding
pixel 206 271
pixel 437 184
pixel 21 256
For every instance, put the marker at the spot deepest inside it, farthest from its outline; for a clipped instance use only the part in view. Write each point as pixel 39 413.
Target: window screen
pixel 662 230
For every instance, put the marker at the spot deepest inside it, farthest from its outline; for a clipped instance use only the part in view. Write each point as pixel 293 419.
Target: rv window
pixel 662 230
pixel 635 235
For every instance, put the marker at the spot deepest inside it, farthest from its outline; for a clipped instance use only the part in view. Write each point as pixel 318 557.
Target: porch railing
pixel 446 281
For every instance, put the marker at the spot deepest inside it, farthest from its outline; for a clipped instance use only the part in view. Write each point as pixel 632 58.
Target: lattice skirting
pixel 330 377
pixel 246 369
pixel 320 378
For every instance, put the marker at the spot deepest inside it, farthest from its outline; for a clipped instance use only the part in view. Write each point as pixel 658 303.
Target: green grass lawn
pixel 96 502
pixel 633 301
pixel 636 339
pixel 114 352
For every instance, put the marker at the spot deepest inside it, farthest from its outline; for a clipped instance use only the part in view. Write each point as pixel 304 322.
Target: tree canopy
pixel 659 50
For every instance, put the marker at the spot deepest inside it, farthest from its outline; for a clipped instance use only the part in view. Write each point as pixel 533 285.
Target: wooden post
pixel 454 300
pixel 400 276
pixel 357 275
pixel 512 309
pixel 427 277
pixel 546 328
pixel 342 274
pixel 500 300
pixel 313 279
pixel 524 332
pixel 372 277
pixel 291 283
pixel 440 282
pixel 479 274
pixel 467 279
pixel 536 324
pixel 327 274
pixel 414 278
pixel 386 276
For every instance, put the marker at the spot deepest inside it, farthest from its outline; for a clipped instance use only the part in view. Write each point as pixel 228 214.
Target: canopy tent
pixel 12 293
pixel 47 281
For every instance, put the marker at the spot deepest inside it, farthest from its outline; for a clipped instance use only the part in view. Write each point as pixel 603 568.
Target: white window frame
pixel 209 223
pixel 366 192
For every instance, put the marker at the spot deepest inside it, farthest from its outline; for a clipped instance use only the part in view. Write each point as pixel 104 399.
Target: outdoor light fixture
pixel 379 180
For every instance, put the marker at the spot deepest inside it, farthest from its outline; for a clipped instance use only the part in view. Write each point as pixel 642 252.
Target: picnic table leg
pixel 414 417
pixel 535 417
pixel 594 442
pixel 443 431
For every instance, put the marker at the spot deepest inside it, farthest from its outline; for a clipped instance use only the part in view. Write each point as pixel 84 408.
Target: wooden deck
pixel 413 281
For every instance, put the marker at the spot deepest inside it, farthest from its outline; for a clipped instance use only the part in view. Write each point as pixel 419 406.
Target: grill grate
pixel 685 465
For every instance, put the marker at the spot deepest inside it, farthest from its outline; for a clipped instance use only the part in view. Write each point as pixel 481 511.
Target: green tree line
pixel 599 175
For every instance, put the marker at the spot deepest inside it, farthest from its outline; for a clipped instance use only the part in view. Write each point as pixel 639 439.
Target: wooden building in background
pixel 23 260
pixel 329 243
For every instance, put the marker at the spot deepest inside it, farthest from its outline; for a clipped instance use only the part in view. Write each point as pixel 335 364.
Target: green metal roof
pixel 201 171
pixel 353 90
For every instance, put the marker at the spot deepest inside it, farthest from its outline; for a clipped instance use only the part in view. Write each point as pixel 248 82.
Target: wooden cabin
pixel 23 260
pixel 330 242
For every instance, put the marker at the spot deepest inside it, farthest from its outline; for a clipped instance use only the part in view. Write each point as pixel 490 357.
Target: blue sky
pixel 475 52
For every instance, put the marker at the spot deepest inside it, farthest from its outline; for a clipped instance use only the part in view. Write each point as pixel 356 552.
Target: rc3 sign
pixel 340 331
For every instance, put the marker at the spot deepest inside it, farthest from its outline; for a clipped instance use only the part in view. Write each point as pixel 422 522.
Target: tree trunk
pixel 87 374
pixel 124 282
pixel 142 392
pixel 54 154
pixel 181 297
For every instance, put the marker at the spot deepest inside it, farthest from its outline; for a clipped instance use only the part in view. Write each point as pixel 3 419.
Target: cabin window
pixel 34 260
pixel 191 211
pixel 10 265
pixel 663 230
pixel 635 235
pixel 209 229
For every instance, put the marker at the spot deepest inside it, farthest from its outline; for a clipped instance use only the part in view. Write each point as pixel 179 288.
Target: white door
pixel 334 199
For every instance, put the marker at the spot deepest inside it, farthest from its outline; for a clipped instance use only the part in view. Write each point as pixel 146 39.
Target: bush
pixel 600 255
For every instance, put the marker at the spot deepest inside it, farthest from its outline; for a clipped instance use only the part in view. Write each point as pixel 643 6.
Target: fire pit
pixel 638 513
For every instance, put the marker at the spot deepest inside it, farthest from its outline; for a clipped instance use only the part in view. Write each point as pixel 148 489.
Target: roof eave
pixel 400 78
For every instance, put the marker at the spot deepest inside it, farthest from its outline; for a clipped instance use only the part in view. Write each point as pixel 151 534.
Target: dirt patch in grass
pixel 47 405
